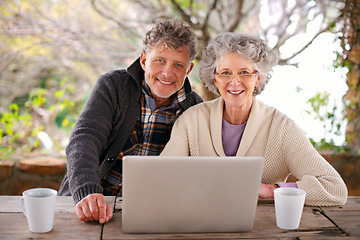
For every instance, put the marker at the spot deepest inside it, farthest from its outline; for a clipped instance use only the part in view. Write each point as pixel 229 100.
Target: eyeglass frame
pixel 237 76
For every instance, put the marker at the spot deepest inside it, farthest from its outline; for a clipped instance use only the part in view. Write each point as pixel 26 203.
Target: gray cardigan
pixel 103 127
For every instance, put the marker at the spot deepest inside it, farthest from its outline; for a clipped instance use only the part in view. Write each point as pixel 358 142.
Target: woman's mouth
pixel 236 92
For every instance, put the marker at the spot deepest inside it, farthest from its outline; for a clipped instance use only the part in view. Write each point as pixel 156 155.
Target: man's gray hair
pixel 250 47
pixel 173 33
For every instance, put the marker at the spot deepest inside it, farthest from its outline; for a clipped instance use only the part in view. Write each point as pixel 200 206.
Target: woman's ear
pixel 258 80
pixel 215 83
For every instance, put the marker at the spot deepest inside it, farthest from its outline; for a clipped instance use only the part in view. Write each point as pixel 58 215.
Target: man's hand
pixel 266 190
pixel 94 208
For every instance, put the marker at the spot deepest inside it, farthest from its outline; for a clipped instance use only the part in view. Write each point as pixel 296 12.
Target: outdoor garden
pixel 52 53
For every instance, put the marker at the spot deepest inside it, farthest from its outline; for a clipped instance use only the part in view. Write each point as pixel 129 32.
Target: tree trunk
pixel 353 77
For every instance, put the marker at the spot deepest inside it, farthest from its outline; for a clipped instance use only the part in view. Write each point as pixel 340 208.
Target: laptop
pixel 163 194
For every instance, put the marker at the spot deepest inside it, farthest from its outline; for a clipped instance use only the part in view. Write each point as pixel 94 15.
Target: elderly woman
pixel 237 67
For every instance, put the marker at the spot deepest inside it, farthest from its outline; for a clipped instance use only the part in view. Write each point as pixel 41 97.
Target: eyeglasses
pixel 226 76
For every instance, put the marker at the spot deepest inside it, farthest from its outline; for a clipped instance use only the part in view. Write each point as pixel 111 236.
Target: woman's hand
pixel 94 208
pixel 266 190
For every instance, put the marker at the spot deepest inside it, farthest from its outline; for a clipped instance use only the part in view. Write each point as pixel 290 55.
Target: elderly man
pixel 130 112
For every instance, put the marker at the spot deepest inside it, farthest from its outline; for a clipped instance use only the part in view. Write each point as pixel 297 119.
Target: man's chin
pixel 163 95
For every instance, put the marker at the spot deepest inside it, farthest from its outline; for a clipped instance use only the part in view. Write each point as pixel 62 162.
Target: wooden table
pixel 317 223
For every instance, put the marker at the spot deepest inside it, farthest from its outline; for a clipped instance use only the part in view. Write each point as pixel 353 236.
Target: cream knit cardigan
pixel 268 133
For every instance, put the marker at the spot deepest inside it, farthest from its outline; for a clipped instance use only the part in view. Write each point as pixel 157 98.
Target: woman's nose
pixel 235 80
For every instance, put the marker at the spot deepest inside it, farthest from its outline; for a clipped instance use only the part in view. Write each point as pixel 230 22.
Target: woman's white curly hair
pixel 250 47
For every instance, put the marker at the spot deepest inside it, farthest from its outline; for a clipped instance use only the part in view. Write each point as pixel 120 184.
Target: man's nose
pixel 168 71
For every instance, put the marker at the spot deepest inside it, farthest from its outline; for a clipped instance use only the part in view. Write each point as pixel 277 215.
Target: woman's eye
pixel 244 73
pixel 225 73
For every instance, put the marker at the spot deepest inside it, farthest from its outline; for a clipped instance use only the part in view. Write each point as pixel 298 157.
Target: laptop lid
pixel 163 194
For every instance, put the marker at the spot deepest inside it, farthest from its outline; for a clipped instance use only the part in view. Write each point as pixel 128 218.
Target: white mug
pixel 289 204
pixel 38 205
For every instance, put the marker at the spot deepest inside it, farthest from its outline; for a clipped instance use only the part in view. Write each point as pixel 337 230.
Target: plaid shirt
pixel 149 137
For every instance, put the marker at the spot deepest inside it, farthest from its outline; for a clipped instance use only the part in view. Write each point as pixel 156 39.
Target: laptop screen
pixel 164 194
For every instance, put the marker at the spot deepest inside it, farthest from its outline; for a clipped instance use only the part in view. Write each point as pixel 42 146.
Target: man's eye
pixel 178 65
pixel 159 60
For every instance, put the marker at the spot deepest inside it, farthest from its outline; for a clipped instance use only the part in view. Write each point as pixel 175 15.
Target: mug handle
pixel 23 205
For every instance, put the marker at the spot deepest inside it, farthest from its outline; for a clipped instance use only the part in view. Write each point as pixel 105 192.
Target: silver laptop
pixel 190 194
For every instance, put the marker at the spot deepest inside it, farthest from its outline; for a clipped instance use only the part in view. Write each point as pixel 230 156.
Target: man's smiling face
pixel 165 69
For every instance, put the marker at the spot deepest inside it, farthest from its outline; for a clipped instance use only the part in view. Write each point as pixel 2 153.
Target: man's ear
pixel 190 68
pixel 143 59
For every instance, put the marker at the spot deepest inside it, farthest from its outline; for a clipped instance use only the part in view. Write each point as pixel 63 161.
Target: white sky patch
pixel 290 88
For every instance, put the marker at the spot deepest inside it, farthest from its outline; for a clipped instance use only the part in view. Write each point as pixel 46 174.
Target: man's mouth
pixel 236 92
pixel 165 82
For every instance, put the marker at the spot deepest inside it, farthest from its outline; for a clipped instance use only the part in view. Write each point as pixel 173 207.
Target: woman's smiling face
pixel 237 94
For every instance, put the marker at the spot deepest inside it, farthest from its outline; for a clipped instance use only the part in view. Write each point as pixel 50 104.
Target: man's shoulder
pixel 119 79
pixel 192 97
pixel 117 74
pixel 195 97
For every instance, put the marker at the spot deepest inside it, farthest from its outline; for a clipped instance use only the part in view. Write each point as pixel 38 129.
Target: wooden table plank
pixel 66 226
pixel 346 217
pixel 10 204
pixel 63 204
pixel 13 223
pixel 312 224
pixel 329 238
pixel 316 223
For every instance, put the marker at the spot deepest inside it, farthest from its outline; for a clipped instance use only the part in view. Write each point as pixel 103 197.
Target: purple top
pixel 289 184
pixel 231 138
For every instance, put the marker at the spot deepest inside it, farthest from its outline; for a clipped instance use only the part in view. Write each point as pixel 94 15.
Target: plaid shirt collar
pixel 150 101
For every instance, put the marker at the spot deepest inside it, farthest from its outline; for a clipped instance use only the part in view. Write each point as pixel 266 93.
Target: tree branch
pixel 93 3
pixel 183 14
pixel 238 16
pixel 286 60
pixel 206 20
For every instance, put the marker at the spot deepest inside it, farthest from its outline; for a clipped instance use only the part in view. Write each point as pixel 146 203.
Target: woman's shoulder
pixel 276 115
pixel 204 107
pixel 279 124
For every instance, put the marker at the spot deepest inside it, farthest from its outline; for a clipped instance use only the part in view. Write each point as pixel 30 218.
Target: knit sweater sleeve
pixel 88 139
pixel 322 183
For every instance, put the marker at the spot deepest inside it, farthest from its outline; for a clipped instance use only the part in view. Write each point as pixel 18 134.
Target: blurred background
pixel 53 51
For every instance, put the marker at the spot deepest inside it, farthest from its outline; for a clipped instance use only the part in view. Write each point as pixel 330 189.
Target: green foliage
pixel 67 115
pixel 329 119
pixel 17 131
pixel 53 109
